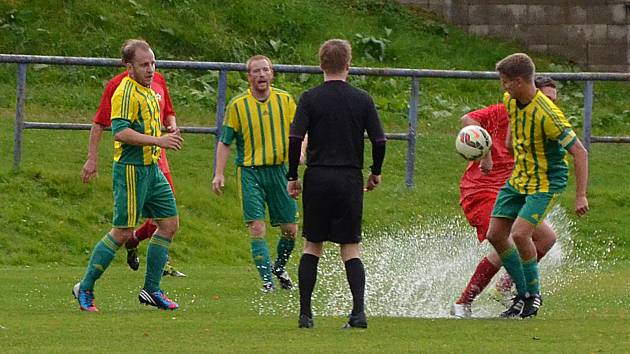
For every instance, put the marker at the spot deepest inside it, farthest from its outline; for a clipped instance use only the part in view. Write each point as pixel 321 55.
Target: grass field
pixel 49 221
pixel 218 315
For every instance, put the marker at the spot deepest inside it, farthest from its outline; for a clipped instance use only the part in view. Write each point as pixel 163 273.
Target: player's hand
pixel 485 164
pixel 581 206
pixel 294 188
pixel 173 129
pixel 372 182
pixel 218 182
pixel 89 170
pixel 171 141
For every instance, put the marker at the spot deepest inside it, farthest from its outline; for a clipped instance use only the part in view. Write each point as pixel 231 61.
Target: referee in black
pixel 335 116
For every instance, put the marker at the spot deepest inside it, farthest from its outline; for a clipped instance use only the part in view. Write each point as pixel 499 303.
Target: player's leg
pixel 345 220
pixel 307 276
pixel 283 212
pixel 102 256
pixel 286 243
pixel 160 206
pixel 485 270
pixel 168 268
pixel 544 238
pixel 252 194
pixel 315 230
pixel 477 209
pixel 506 209
pixel 511 260
pixel 530 216
pixel 143 232
pixel 260 253
pixel 124 218
pixel 355 273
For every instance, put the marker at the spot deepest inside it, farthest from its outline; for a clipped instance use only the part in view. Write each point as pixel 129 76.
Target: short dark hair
pixel 517 65
pixel 544 81
pixel 128 49
pixel 257 57
pixel 334 55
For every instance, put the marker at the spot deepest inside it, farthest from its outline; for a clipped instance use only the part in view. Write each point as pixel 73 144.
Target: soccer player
pixel 335 116
pixel 479 186
pixel 102 120
pixel 541 137
pixel 259 121
pixel 139 186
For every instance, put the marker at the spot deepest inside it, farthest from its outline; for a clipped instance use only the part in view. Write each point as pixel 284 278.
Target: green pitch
pixel 218 314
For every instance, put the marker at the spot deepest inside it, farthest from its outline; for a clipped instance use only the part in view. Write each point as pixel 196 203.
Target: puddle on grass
pixel 421 271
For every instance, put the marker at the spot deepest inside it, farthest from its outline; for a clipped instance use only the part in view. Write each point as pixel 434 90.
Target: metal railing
pixel 223 68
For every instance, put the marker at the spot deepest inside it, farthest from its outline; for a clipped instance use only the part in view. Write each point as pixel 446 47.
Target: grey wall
pixel 593 33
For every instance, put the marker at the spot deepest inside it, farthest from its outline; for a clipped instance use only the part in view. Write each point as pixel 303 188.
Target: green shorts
pixel 140 190
pixel 266 185
pixel 531 207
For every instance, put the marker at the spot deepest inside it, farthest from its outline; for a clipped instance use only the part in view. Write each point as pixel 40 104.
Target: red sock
pixel 146 230
pixel 479 280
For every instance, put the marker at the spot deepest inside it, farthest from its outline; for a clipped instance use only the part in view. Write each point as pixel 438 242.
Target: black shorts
pixel 333 204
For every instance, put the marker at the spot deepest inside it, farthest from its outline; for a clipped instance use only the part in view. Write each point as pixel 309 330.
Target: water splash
pixel 420 272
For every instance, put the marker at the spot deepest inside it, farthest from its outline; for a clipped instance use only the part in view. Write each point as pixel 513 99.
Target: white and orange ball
pixel 473 142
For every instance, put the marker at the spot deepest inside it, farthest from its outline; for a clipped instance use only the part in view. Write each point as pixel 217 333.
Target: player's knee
pixel 519 237
pixel 492 237
pixel 121 235
pixel 257 229
pixel 289 230
pixel 168 227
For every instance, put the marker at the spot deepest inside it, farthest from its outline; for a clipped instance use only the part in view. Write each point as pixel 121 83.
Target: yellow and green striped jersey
pixel 261 129
pixel 541 136
pixel 135 106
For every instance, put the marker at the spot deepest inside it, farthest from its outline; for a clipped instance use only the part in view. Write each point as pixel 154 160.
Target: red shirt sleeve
pixel 103 114
pixel 485 115
pixel 168 105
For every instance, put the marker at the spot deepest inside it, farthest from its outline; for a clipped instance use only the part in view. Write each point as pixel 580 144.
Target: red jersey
pixel 495 120
pixel 103 114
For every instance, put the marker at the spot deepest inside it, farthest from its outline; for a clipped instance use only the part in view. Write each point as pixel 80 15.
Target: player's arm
pixel 231 129
pixel 218 182
pixel 580 160
pixel 466 120
pixel 485 163
pixel 378 155
pixel 100 121
pixel 297 144
pixel 129 136
pixel 170 123
pixel 90 168
pixel 294 187
pixel 377 137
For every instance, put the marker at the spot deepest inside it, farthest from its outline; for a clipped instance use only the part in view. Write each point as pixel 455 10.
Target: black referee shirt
pixel 335 115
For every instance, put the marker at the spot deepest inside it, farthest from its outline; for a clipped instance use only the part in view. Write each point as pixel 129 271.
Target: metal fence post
pixel 20 94
pixel 411 136
pixel 221 93
pixel 588 113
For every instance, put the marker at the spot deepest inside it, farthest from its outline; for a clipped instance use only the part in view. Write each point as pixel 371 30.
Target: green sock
pixel 157 255
pixel 512 263
pixel 285 247
pixel 101 258
pixel 530 268
pixel 260 253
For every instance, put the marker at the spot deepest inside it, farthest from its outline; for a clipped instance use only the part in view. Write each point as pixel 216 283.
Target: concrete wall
pixel 593 33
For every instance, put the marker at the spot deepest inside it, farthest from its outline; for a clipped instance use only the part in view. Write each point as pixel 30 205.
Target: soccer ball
pixel 473 142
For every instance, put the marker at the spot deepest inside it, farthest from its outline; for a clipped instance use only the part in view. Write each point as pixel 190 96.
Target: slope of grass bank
pixel 47 215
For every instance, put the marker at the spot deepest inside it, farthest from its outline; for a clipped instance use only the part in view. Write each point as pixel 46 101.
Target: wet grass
pixel 218 315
